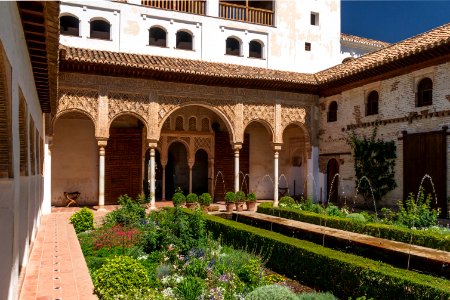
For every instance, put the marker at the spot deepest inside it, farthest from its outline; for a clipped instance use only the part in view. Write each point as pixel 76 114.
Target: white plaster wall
pixel 261 161
pixel 284 43
pixel 74 161
pixel 15 191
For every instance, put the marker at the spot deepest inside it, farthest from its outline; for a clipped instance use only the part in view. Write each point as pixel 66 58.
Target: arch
pixel 127 112
pixel 221 115
pixel 69 25
pixel 332 112
pixel 200 171
pixel 177 168
pixel 184 40
pixel 266 125
pixel 157 36
pixel 305 131
pixel 192 124
pixel 424 92
pixel 100 29
pixel 185 144
pixel 372 103
pixel 59 114
pixel 6 153
pixel 256 49
pixel 233 46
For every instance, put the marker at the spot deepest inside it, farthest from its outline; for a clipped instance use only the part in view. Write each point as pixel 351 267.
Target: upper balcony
pixel 256 12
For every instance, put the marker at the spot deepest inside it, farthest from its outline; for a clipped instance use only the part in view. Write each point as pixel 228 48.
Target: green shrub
pixel 287 200
pixel 190 288
pixel 82 220
pixel 251 197
pixel 192 198
pixel 250 272
pixel 240 196
pixel 316 296
pixel 333 210
pixel 130 212
pixel 122 275
pixel 356 217
pixel 426 238
pixel 178 199
pixel 205 199
pixel 317 266
pixel 271 292
pixel 417 214
pixel 230 197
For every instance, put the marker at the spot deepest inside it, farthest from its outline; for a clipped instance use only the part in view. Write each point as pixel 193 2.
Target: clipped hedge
pixel 390 232
pixel 326 269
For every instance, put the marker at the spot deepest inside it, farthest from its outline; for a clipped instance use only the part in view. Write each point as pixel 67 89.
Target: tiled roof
pixel 362 40
pixel 181 65
pixel 434 44
pixel 401 51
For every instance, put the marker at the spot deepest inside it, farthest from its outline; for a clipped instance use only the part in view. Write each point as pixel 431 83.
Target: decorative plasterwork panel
pixel 204 143
pixel 121 102
pixel 168 104
pixel 259 111
pixel 293 114
pixel 78 99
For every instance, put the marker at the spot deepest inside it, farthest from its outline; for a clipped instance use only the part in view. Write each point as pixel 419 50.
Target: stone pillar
pixel 152 176
pixel 47 203
pixel 163 188
pixel 277 148
pixel 101 173
pixel 191 165
pixel 236 148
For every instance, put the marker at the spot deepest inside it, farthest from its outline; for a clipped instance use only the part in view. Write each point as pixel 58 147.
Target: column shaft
pixel 101 177
pixel 275 179
pixel 236 170
pixel 164 182
pixel 152 178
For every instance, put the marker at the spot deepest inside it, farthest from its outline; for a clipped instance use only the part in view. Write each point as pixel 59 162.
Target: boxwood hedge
pixel 391 232
pixel 345 275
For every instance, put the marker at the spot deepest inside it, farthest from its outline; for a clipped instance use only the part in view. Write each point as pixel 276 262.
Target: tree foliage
pixel 375 159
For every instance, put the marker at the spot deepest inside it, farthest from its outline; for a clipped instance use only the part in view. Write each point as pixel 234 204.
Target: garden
pixel 179 253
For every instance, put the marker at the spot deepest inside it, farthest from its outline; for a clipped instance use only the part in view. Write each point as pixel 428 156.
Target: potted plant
pixel 230 198
pixel 205 200
pixel 240 200
pixel 178 199
pixel 191 200
pixel 251 202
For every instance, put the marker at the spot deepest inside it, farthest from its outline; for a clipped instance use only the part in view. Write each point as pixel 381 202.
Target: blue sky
pixel 392 21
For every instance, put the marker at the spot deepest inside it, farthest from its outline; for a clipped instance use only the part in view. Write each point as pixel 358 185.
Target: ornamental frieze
pixel 259 111
pixel 78 99
pixel 121 102
pixel 293 114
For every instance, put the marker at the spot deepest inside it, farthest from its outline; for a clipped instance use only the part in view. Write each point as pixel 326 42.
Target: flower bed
pixel 167 255
pixel 426 238
pixel 346 275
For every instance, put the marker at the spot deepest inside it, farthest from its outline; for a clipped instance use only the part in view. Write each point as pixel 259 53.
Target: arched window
pixel 372 103
pixel 179 123
pixel 425 92
pixel 233 47
pixel 69 25
pixel 184 40
pixel 332 112
pixel 255 49
pixel 193 124
pixel 205 124
pixel 100 30
pixel 157 37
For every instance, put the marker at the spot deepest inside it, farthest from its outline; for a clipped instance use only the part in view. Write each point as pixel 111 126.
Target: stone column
pixel 152 176
pixel 236 147
pixel 191 165
pixel 277 148
pixel 101 173
pixel 163 188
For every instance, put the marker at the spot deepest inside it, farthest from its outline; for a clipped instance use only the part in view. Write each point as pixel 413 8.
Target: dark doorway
pixel 200 173
pixel 177 170
pixel 332 170
pixel 426 153
pixel 158 175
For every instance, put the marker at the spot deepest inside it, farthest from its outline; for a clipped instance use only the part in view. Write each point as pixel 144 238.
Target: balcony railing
pixel 188 6
pixel 246 14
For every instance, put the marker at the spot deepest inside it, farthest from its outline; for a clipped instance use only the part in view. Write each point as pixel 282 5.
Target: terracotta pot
pixel 229 206
pixel 251 205
pixel 205 208
pixel 191 205
pixel 240 206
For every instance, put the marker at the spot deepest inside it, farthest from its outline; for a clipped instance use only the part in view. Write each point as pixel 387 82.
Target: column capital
pixel 277 147
pixel 237 146
pixel 152 143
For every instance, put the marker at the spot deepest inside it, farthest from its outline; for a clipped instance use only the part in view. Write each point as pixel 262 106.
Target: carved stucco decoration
pixel 259 111
pixel 168 104
pixel 78 99
pixel 127 102
pixel 292 114
pixel 204 143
